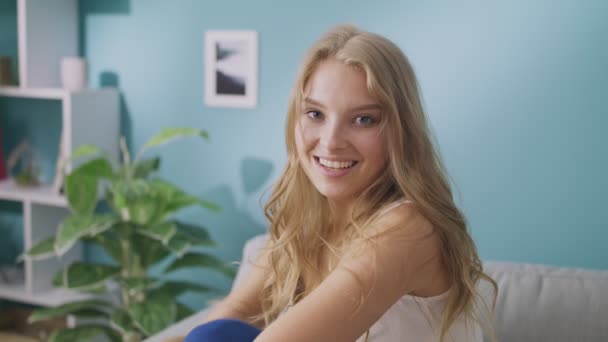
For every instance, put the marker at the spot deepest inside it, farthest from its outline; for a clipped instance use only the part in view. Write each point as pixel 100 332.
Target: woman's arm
pixel 402 258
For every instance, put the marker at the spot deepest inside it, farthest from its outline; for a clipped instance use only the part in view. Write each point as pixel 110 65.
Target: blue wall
pixel 515 92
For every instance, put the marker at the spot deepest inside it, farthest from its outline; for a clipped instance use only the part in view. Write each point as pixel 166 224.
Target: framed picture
pixel 231 68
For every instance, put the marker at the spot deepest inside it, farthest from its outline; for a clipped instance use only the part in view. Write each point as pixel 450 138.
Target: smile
pixel 333 168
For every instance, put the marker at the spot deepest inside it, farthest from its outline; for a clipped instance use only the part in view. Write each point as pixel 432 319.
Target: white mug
pixel 74 73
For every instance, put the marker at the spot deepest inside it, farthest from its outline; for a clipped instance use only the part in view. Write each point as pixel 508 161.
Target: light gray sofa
pixel 536 303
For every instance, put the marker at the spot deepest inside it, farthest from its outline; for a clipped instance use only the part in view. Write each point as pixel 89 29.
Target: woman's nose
pixel 333 137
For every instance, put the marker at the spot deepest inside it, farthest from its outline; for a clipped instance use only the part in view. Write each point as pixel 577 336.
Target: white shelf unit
pixel 88 117
pixel 48 31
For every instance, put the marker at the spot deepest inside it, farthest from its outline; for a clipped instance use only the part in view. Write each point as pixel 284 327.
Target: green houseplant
pixel 137 231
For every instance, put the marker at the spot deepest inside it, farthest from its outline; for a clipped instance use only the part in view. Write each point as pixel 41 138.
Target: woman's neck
pixel 340 213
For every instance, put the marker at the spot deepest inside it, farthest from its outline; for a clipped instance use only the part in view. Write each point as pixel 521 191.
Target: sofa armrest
pixel 252 249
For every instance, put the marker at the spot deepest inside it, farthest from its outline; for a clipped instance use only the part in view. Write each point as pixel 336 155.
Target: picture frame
pixel 231 68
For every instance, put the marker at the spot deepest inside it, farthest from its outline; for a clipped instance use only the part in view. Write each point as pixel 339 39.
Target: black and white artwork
pixel 231 68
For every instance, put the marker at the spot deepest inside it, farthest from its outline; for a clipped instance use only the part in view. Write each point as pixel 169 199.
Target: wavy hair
pixel 299 214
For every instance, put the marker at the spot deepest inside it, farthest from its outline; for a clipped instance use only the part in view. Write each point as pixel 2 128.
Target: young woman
pixel 365 242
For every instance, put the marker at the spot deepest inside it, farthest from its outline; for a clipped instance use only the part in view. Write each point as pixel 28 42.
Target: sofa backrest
pixel 546 303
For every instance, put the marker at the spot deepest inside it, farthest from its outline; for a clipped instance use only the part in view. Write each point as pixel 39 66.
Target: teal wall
pixel 515 91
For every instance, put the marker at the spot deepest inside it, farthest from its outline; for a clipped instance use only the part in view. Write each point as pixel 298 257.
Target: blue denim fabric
pixel 223 330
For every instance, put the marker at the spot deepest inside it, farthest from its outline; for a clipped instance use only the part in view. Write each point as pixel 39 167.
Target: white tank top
pixel 418 319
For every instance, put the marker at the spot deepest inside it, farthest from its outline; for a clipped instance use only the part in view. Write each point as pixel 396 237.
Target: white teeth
pixel 336 164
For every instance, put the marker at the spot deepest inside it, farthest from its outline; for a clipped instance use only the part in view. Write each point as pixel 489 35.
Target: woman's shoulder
pixel 400 217
pixel 399 228
pixel 403 243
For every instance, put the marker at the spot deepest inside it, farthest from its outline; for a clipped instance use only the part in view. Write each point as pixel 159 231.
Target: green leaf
pixel 153 315
pixel 209 205
pixel 162 232
pixel 121 321
pixel 96 289
pixel 136 201
pixel 116 200
pixel 146 166
pixel 179 244
pixel 81 192
pixel 201 260
pixel 81 275
pixel 123 192
pixel 85 151
pixel 143 210
pixel 176 199
pixel 110 244
pixel 84 333
pixel 95 168
pixel 146 202
pixel 169 134
pixel 137 284
pixel 40 251
pixel 188 235
pixel 77 226
pixel 172 289
pixel 197 235
pixel 68 309
pixel 81 184
pixel 150 251
pixel 183 311
pixel 132 189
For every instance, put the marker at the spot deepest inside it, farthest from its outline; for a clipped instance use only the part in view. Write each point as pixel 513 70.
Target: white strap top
pixel 418 319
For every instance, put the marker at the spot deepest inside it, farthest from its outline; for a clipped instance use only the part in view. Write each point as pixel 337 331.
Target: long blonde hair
pixel 299 214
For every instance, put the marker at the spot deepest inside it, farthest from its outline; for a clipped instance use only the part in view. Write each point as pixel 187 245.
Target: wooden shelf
pixel 43 194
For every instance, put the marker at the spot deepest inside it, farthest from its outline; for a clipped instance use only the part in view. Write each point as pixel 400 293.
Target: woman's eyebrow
pixel 313 102
pixel 368 106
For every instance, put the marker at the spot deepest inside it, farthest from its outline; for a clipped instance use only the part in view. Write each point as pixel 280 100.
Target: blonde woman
pixel 366 242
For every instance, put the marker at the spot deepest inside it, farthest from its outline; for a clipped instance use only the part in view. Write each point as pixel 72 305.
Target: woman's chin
pixel 336 194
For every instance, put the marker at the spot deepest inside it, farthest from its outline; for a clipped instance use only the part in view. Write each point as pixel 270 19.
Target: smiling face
pixel 338 134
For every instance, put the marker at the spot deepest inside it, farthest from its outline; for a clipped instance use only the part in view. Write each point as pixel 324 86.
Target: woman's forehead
pixel 336 83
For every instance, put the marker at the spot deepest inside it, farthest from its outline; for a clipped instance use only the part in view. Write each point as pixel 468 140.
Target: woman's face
pixel 339 136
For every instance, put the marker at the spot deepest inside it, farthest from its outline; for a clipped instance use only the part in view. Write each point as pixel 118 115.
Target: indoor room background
pixel 515 92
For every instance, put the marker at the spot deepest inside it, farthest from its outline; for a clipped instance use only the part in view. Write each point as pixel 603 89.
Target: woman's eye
pixel 314 114
pixel 365 120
